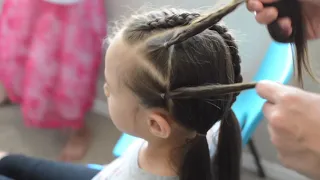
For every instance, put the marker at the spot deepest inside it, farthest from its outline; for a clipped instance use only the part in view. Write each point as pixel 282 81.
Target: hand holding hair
pixel 292 114
pixel 298 20
pixel 266 14
pixel 293 123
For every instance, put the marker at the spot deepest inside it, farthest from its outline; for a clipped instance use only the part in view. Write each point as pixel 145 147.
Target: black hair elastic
pixel 163 95
pixel 166 45
pixel 201 135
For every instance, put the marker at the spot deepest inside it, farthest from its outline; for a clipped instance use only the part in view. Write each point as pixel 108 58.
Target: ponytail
pixel 227 160
pixel 210 90
pixel 196 160
pixel 225 165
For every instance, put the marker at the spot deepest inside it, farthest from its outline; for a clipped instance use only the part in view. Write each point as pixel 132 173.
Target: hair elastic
pixel 166 45
pixel 163 95
pixel 201 135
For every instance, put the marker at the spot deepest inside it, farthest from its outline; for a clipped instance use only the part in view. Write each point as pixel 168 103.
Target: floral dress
pixel 50 53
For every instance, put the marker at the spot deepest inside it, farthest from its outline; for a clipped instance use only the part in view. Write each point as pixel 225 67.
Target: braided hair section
pixel 173 21
pixel 233 48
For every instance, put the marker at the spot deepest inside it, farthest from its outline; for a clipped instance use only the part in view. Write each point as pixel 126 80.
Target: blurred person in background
pixel 49 61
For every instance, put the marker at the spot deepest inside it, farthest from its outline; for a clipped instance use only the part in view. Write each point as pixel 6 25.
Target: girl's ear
pixel 158 125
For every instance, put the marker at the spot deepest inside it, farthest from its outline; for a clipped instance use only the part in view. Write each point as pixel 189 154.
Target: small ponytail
pixel 227 160
pixel 209 90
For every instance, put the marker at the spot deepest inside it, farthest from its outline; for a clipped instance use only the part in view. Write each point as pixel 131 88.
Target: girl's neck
pixel 160 158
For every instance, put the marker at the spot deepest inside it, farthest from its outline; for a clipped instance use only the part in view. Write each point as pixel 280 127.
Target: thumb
pixel 269 90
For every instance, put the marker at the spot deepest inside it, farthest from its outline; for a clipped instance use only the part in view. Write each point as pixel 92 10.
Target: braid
pixel 143 26
pixel 233 48
pixel 172 21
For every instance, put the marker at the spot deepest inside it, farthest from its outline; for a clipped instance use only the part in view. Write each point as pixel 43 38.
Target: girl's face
pixel 124 108
pixel 121 103
pixel 126 112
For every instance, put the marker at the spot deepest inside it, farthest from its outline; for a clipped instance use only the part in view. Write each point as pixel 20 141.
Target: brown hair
pixel 195 80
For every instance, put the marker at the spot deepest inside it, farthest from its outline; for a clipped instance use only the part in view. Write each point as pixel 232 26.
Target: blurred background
pixel 253 40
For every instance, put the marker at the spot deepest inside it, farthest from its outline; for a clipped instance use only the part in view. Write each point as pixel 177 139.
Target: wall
pixel 252 37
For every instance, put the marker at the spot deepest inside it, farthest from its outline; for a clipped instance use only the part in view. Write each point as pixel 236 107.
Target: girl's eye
pixel 106 90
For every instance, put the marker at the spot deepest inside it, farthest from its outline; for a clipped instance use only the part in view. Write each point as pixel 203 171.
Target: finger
pixel 280 127
pixel 254 5
pixel 277 139
pixel 295 160
pixel 285 159
pixel 267 109
pixel 277 120
pixel 285 24
pixel 269 90
pixel 271 113
pixel 267 15
pixel 283 140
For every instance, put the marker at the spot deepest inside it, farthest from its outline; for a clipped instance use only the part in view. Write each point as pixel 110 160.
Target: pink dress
pixel 49 58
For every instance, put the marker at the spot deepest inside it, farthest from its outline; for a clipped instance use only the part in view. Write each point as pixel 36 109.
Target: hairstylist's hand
pixel 310 8
pixel 294 125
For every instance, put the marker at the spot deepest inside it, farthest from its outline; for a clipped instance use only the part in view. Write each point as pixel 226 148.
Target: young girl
pixel 167 95
pixel 49 59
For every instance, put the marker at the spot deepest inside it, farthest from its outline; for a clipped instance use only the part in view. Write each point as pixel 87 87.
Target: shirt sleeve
pixel 213 137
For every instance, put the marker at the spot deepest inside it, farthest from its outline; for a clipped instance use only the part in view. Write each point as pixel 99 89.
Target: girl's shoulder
pixel 213 137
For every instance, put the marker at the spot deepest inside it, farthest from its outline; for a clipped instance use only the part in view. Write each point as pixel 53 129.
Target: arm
pixel 21 167
pixel 4 178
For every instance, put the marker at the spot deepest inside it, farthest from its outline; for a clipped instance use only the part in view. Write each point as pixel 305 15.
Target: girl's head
pixel 167 94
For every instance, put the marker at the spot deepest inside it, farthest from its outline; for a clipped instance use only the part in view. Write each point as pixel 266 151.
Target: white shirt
pixel 126 167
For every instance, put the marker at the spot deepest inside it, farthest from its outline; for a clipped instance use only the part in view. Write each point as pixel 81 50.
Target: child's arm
pixel 21 167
